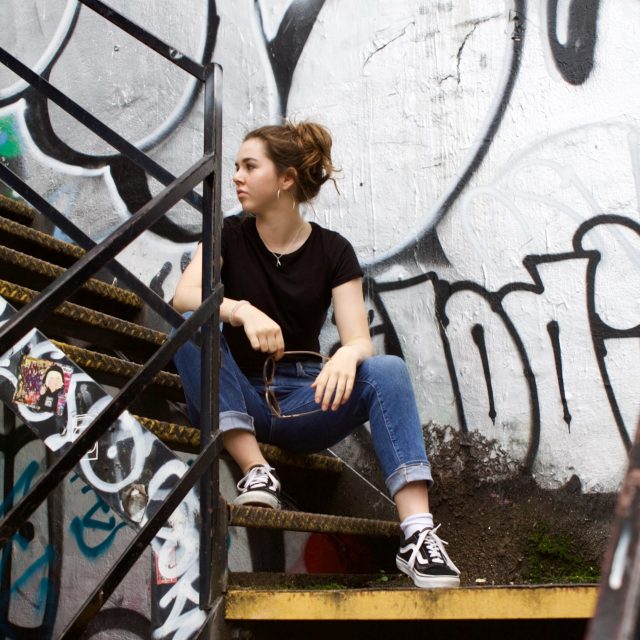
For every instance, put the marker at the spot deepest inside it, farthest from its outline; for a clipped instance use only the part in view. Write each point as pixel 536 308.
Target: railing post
pixel 617 615
pixel 213 558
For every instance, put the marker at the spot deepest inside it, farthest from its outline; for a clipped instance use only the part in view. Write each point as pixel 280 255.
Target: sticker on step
pixel 43 385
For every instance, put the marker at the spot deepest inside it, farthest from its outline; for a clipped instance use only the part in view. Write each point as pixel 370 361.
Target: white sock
pixel 416 522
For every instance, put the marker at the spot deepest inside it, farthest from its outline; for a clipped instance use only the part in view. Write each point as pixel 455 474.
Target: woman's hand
pixel 263 333
pixel 334 383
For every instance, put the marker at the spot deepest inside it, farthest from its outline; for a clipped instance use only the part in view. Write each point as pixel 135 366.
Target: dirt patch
pixel 509 530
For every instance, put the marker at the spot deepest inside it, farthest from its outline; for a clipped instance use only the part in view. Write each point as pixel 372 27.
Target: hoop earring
pixel 278 194
pixel 293 206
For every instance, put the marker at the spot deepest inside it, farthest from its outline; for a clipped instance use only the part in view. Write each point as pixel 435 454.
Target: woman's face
pixel 256 178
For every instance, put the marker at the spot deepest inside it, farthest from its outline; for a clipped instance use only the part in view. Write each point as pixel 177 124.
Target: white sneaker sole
pixel 257 499
pixel 428 582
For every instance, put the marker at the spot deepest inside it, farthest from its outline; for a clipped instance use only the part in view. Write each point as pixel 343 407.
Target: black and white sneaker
pixel 423 558
pixel 259 488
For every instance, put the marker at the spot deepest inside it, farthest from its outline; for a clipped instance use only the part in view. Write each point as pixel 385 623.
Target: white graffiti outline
pixel 50 52
pixel 129 428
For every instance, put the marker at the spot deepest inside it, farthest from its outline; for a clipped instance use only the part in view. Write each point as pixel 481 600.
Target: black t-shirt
pixel 296 294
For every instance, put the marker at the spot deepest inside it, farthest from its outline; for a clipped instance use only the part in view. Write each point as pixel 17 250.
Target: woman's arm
pixel 263 333
pixel 335 382
pixel 188 295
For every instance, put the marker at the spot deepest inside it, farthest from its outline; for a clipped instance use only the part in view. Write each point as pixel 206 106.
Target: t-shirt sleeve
pixel 347 266
pixel 230 231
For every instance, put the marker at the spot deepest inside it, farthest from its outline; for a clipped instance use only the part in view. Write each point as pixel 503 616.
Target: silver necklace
pixel 278 256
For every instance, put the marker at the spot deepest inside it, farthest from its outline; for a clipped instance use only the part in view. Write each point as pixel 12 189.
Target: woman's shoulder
pixel 332 241
pixel 235 225
pixel 329 235
pixel 237 222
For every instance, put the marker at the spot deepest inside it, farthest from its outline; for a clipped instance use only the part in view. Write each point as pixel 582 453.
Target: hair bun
pixel 315 143
pixel 304 146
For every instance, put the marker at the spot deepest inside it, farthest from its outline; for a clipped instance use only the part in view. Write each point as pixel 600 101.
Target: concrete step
pixel 256 597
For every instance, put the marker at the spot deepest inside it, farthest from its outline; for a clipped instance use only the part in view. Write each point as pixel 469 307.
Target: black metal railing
pixel 202 326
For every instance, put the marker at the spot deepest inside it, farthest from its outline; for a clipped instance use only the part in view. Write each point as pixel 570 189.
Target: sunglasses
pixel 269 374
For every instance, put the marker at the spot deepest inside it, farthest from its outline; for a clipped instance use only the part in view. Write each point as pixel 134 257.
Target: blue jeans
pixel 382 394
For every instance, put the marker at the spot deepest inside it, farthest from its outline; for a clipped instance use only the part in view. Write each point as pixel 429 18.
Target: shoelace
pixel 258 476
pixel 435 547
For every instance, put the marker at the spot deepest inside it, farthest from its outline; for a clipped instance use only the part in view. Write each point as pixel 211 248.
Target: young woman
pixel 281 274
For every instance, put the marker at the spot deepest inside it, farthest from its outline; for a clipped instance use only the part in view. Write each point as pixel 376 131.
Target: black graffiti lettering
pixel 575 58
pixel 157 282
pixel 478 337
pixel 285 49
pixel 553 328
pixel 600 331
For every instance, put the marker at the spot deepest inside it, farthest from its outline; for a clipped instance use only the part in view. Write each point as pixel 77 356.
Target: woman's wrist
pixel 359 356
pixel 234 321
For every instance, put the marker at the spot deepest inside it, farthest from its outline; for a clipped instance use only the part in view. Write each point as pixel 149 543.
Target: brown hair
pixel 304 146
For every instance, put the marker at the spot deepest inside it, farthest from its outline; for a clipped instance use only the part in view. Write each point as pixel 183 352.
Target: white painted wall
pixel 410 90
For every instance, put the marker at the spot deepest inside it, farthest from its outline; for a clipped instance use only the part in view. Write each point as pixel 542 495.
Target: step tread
pixel 16 210
pixel 39 238
pixel 263 518
pixel 22 295
pixel 525 602
pixel 52 271
pixel 95 361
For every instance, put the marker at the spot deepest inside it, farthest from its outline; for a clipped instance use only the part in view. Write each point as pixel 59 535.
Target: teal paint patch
pixel 9 140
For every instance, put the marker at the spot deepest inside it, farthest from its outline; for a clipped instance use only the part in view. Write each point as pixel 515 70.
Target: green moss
pixel 555 558
pixel 325 586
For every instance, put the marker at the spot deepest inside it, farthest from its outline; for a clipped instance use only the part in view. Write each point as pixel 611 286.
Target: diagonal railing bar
pixel 166 51
pixel 93 124
pixel 40 307
pixel 164 310
pixel 134 387
pixel 142 539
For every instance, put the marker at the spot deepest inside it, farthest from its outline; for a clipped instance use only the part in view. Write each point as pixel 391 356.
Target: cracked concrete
pixel 474 24
pixel 387 43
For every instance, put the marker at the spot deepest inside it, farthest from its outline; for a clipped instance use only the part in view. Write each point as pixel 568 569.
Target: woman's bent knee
pixel 383 366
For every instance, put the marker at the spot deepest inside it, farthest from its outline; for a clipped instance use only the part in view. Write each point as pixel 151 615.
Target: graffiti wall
pixel 490 183
pixel 39 584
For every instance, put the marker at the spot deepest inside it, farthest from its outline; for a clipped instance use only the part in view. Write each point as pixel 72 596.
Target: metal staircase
pixel 152 493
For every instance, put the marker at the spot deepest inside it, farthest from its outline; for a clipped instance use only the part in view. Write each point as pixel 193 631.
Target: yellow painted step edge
pixel 473 603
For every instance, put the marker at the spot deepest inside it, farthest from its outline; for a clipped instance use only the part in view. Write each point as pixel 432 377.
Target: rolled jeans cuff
pixel 236 420
pixel 412 472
